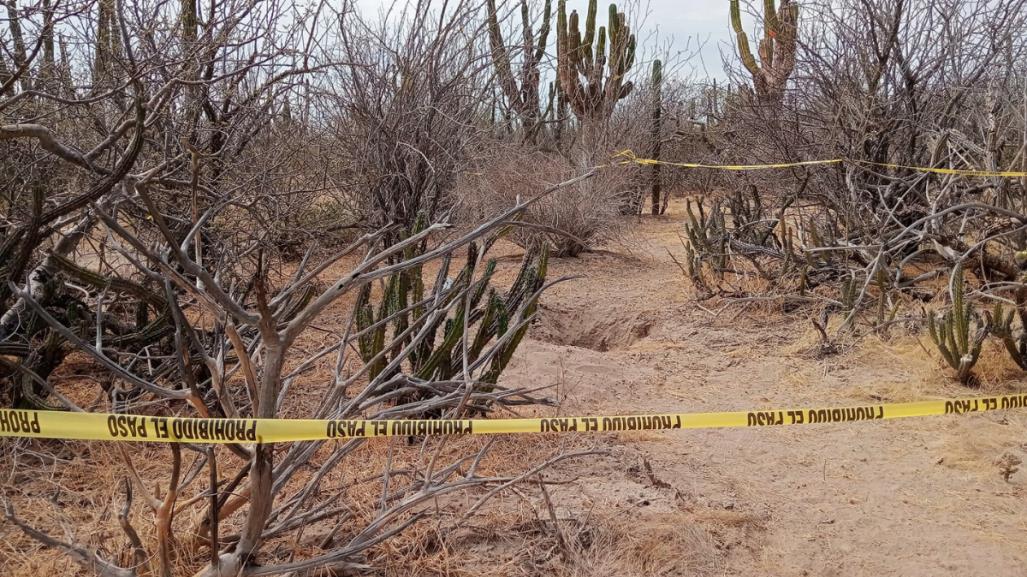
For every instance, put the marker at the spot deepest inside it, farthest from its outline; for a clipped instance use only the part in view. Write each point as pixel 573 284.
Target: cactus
pixel 5 76
pixel 1001 325
pixel 884 314
pixel 108 49
pixel 694 270
pixel 959 346
pixel 776 49
pixel 482 310
pixel 189 21
pixel 592 79
pixel 654 139
pixel 707 237
pixel 523 99
pixel 555 114
pixel 848 292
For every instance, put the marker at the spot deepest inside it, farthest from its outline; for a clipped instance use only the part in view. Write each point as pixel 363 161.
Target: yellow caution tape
pixel 119 427
pixel 629 157
pixel 951 171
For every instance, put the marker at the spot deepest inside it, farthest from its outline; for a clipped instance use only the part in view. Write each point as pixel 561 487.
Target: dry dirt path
pixel 913 497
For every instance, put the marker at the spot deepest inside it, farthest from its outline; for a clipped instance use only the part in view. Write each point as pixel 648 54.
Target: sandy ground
pixel 914 497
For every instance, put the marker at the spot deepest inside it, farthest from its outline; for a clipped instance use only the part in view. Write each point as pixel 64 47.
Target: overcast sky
pixel 684 25
pixel 678 25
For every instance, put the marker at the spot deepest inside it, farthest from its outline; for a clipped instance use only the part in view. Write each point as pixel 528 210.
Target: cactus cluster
pixel 707 243
pixel 959 333
pixel 776 49
pixel 591 70
pixel 738 234
pixel 491 323
pixel 958 343
pixel 848 292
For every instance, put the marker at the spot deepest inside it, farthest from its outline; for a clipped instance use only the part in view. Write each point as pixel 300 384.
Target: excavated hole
pixel 598 329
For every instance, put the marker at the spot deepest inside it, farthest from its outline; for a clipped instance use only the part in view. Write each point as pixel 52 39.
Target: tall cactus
pixel 20 54
pixel 556 114
pixel 593 80
pixel 522 98
pixel 105 34
pixel 187 15
pixel 958 345
pixel 655 138
pixel 776 49
pixel 47 70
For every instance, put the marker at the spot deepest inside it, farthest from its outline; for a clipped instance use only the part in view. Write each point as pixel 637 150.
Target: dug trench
pixel 912 497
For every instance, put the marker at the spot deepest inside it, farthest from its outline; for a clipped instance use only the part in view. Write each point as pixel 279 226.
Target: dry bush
pixel 589 212
pixel 152 223
pixel 404 121
pixel 691 112
pixel 571 220
pixel 580 217
pixel 657 544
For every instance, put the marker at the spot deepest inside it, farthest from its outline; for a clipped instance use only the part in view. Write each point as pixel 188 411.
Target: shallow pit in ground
pixel 599 328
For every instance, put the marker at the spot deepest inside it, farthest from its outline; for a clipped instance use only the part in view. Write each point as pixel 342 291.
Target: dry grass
pixel 922 373
pixel 527 543
pixel 981 453
pixel 75 490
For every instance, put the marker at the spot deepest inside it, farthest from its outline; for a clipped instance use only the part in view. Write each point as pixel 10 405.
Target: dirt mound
pixel 596 328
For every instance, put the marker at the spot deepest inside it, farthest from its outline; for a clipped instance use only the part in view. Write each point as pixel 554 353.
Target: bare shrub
pixel 571 220
pixel 166 221
pixel 401 120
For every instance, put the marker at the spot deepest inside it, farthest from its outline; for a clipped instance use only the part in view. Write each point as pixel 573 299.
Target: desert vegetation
pixel 304 210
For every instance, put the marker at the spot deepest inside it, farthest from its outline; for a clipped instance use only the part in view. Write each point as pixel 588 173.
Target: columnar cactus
pixel 20 54
pixel 593 80
pixel 1001 325
pixel 776 49
pixel 5 75
pixel 707 234
pixel 959 346
pixel 486 313
pixel 556 113
pixel 189 20
pixel 523 99
pixel 104 37
pixel 655 138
